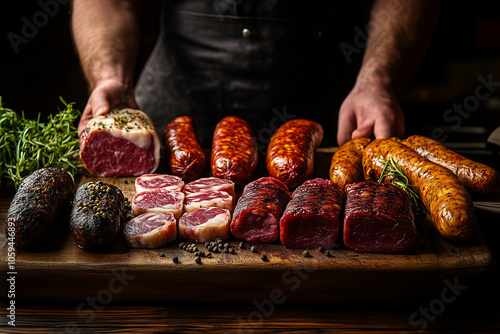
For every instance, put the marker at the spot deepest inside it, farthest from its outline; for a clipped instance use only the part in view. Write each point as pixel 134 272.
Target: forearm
pixel 399 35
pixel 106 36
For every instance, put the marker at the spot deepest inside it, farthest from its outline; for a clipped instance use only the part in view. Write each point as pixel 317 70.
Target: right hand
pixel 106 96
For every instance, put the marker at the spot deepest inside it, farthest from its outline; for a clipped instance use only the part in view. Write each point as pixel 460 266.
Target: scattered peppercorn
pixel 241 244
pixel 175 259
pixel 161 254
pixel 327 253
pixel 263 257
pixel 197 259
pixel 305 253
pixel 253 249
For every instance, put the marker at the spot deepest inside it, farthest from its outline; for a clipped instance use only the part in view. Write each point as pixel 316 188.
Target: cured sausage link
pixel 476 177
pixel 234 153
pixel 290 154
pixel 346 166
pixel 37 204
pixel 444 196
pixel 185 155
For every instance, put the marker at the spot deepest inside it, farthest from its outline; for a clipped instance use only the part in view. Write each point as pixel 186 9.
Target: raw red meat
pixel 150 230
pixel 312 217
pixel 378 218
pixel 213 198
pixel 205 224
pixel 120 143
pixel 158 201
pixel 258 211
pixel 210 183
pixel 148 182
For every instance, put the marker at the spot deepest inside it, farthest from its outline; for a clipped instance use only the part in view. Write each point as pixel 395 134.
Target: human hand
pixel 107 95
pixel 370 108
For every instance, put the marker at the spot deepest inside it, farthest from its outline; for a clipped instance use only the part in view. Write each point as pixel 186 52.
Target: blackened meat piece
pixel 312 217
pixel 259 209
pixel 37 204
pixel 378 218
pixel 96 216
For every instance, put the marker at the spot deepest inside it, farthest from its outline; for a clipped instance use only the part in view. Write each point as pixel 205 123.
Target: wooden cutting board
pixel 60 271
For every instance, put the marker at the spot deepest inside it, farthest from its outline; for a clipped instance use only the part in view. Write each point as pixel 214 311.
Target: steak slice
pixel 210 184
pixel 214 198
pixel 378 218
pixel 149 182
pixel 312 217
pixel 121 143
pixel 150 230
pixel 258 211
pixel 158 201
pixel 205 224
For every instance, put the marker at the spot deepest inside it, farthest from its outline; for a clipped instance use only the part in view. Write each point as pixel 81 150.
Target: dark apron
pixel 264 61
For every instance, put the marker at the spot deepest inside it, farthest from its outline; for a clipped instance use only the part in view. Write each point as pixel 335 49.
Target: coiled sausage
pixel 443 195
pixel 475 176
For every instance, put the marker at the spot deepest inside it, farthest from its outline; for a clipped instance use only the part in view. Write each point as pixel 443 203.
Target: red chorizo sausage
pixel 185 155
pixel 476 177
pixel 346 166
pixel 444 196
pixel 290 154
pixel 234 151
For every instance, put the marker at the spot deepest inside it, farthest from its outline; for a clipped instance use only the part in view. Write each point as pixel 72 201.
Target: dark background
pixel 466 45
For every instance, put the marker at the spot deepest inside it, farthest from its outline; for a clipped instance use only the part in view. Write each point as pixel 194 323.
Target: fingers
pixel 346 125
pixel 99 103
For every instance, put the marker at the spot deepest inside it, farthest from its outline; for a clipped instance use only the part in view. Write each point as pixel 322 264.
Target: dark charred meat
pixel 37 205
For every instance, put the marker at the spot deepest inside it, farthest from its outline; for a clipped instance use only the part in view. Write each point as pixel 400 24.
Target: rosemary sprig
pixel 27 145
pixel 398 178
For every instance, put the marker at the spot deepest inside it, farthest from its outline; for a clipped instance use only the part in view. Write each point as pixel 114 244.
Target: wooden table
pixel 456 304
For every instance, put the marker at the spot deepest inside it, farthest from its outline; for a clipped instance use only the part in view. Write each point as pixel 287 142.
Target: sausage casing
pixel 234 153
pixel 346 166
pixel 96 216
pixel 475 176
pixel 290 154
pixel 444 196
pixel 37 204
pixel 184 152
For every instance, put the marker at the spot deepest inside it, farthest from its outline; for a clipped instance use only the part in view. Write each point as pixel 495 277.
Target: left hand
pixel 370 108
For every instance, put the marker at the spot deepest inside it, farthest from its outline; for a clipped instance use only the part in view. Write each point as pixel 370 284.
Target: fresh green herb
pixel 398 178
pixel 27 145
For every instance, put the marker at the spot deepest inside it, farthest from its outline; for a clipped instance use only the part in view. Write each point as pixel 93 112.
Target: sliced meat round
pixel 258 211
pixel 148 182
pixel 312 217
pixel 150 230
pixel 378 218
pixel 120 143
pixel 158 201
pixel 213 198
pixel 205 224
pixel 210 184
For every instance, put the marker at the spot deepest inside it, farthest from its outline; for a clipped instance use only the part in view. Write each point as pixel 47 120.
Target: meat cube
pixel 205 224
pixel 158 201
pixel 312 217
pixel 150 230
pixel 378 218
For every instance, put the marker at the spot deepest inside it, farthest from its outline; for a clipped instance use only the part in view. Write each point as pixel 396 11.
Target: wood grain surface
pixel 58 270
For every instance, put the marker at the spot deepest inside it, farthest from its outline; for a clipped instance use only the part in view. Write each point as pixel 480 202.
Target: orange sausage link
pixel 476 177
pixel 346 166
pixel 290 154
pixel 185 155
pixel 444 196
pixel 234 151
